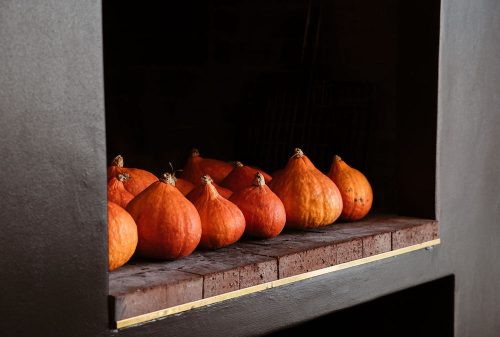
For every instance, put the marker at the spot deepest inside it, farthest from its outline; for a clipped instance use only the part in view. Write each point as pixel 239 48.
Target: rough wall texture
pixel 53 218
pixel 468 186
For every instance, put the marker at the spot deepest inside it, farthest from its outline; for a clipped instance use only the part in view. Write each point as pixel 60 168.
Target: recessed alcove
pixel 251 80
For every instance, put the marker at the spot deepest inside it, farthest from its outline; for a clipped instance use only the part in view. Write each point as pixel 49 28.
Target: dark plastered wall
pixel 52 257
pixel 52 215
pixel 468 186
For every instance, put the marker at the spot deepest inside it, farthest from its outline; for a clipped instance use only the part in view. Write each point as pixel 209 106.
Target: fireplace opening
pixel 424 310
pixel 252 80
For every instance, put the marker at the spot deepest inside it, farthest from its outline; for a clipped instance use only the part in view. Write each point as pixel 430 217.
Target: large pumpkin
pixel 139 179
pixel 168 224
pixel 122 236
pixel 311 199
pixel 357 195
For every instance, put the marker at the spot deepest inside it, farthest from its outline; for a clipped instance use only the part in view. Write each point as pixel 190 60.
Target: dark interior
pixel 251 80
pixel 424 310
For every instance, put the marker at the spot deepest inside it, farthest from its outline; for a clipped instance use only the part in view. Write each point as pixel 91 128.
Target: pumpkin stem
pixel 195 152
pixel 298 153
pixel 259 179
pixel 206 180
pixel 337 158
pixel 118 161
pixel 123 177
pixel 238 164
pixel 174 171
pixel 168 178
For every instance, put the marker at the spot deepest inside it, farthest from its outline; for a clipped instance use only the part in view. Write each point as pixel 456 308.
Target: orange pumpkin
pixel 357 195
pixel 196 166
pixel 240 177
pixel 311 199
pixel 267 177
pixel 183 185
pixel 264 212
pixel 168 224
pixel 195 192
pixel 222 221
pixel 122 236
pixel 117 192
pixel 139 179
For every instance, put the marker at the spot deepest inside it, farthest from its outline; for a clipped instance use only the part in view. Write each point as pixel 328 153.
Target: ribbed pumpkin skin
pixel 357 194
pixel 264 212
pixel 168 224
pixel 139 179
pixel 122 236
pixel 222 221
pixel 311 199
pixel 196 166
pixel 241 177
pixel 117 192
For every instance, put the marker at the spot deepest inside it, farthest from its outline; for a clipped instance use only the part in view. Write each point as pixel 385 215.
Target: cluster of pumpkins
pixel 213 203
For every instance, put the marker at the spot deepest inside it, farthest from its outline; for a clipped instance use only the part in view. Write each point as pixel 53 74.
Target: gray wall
pixel 53 251
pixel 53 255
pixel 468 186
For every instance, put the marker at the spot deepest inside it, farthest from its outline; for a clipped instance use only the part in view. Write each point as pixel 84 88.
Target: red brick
pixel 414 235
pixel 228 269
pixel 220 282
pixel 376 244
pixel 137 292
pixel 296 252
pixel 349 251
pixel 153 285
pixel 305 261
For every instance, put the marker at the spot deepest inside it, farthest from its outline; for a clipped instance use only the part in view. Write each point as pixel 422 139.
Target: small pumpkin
pixel 122 236
pixel 357 194
pixel 222 221
pixel 139 179
pixel 264 212
pixel 311 199
pixel 168 224
pixel 241 177
pixel 196 166
pixel 117 192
